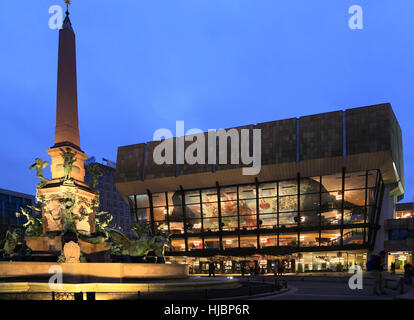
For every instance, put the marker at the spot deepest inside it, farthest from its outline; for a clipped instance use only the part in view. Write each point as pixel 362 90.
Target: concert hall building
pixel 327 184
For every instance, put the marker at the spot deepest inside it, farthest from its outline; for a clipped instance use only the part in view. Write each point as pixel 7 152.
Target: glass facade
pixel 10 204
pixel 316 261
pixel 306 212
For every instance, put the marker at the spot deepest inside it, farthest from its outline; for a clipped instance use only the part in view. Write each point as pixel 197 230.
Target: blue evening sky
pixel 142 65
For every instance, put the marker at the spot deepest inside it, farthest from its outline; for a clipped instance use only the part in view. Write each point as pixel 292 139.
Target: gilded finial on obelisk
pixel 68 3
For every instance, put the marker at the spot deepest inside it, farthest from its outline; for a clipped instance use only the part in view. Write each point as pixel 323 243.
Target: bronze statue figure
pixel 40 165
pixel 96 172
pixel 68 161
pixel 34 225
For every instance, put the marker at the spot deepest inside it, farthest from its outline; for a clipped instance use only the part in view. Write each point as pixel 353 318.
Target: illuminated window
pixel 330 237
pixel 248 241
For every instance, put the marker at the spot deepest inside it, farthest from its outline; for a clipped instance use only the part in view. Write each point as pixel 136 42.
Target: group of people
pixel 252 270
pixel 278 270
pixel 376 265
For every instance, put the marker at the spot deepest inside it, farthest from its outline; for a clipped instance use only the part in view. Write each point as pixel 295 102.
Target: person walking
pixel 211 269
pixel 393 268
pixel 243 271
pixel 376 267
pixel 280 269
pixel 407 278
pixel 257 269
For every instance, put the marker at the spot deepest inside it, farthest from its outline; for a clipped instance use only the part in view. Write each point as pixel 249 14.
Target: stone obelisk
pixel 67 126
pixel 67 188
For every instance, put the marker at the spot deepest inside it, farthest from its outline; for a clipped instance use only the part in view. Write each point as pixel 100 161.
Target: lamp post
pixel 18 218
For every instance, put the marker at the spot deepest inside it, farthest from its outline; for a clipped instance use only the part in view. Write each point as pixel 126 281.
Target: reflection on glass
pixel 309 218
pixel 332 200
pixel 192 197
pixel 354 198
pixel 142 201
pixel 143 215
pixel 309 202
pixel 309 185
pixel 176 213
pixel 332 182
pixel 193 211
pixel 175 198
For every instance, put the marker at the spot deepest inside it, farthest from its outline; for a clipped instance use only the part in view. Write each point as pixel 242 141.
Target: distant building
pixel 110 199
pixel 10 203
pixel 399 241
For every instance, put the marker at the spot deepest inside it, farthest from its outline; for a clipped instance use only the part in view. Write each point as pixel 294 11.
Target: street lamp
pixel 18 217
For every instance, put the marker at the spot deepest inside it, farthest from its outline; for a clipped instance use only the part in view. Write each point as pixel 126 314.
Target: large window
pixel 229 208
pixel 314 211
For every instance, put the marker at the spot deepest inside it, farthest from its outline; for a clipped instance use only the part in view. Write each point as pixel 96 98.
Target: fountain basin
pixel 91 272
